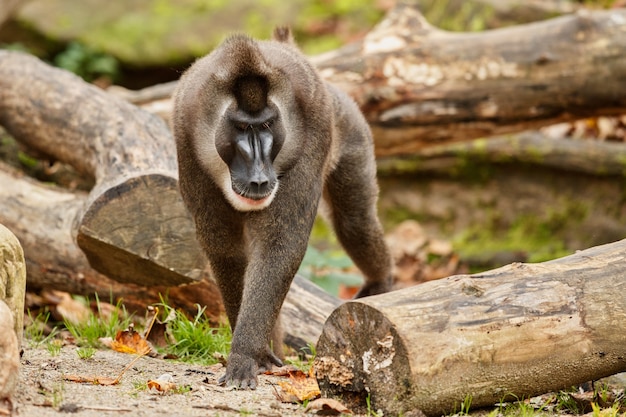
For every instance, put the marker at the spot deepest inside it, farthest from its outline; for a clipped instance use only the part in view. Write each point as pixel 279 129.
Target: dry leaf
pixel 156 333
pixel 130 341
pixel 300 385
pixel 163 383
pixel 286 370
pixel 92 379
pixel 326 406
pixel 66 307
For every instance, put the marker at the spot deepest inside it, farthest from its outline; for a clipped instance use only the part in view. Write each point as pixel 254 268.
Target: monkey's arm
pixel 278 240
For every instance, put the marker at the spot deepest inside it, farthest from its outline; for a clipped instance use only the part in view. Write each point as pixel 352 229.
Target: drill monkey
pixel 261 140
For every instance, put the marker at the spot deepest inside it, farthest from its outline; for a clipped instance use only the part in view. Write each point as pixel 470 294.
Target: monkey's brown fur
pixel 260 107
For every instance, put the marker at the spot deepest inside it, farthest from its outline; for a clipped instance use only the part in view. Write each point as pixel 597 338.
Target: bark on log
pixel 514 332
pixel 42 219
pixel 133 226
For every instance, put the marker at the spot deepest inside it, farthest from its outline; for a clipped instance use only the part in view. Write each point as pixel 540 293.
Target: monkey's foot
pixel 242 370
pixel 373 288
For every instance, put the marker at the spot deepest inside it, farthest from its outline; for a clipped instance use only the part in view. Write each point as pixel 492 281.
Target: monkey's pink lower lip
pixel 250 201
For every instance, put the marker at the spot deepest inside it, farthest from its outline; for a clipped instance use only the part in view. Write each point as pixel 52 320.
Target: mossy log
pixel 531 147
pixel 513 332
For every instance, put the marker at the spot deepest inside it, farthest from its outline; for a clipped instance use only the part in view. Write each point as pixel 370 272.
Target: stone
pixel 9 354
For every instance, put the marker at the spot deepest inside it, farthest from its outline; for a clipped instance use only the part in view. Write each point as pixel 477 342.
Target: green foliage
pixel 612 411
pixel 370 410
pixel 466 404
pixel 354 16
pixel 98 325
pixel 87 62
pixel 27 160
pixel 197 340
pixel 305 358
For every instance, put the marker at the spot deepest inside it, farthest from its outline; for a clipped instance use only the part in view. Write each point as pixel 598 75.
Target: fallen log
pixel 592 157
pixel 42 216
pixel 133 226
pixel 419 86
pixel 514 332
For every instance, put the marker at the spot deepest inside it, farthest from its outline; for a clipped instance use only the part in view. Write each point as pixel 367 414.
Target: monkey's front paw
pixel 242 370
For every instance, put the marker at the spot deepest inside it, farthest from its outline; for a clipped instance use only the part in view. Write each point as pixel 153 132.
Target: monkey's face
pixel 248 144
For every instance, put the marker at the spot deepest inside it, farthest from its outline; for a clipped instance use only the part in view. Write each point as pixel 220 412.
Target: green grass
pixel 34 332
pixel 607 402
pixel 54 347
pixel 88 332
pixel 85 352
pixel 197 340
pixel 305 358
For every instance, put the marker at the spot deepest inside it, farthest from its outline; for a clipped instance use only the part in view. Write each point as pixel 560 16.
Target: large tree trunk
pixel 509 333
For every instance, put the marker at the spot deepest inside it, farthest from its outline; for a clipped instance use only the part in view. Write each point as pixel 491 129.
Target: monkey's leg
pixel 224 246
pixel 351 198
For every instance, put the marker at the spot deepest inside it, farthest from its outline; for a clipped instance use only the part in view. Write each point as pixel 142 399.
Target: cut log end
pixel 140 232
pixel 360 355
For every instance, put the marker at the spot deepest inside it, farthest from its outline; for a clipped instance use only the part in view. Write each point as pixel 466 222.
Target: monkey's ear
pixel 283 34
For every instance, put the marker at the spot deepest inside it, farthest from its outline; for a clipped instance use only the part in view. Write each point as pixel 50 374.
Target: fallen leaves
pixel 326 406
pixel 164 383
pixel 126 341
pixel 300 386
pixel 130 341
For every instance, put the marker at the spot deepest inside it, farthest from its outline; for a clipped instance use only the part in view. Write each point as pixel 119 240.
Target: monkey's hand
pixel 242 370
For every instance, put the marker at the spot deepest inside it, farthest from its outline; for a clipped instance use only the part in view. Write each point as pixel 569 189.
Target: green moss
pixel 471 169
pixel 537 236
pixel 458 16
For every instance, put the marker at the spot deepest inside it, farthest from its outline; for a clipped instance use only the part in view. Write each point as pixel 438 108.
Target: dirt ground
pixel 43 391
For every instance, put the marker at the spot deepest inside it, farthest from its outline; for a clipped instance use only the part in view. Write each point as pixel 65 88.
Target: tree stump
pixel 510 333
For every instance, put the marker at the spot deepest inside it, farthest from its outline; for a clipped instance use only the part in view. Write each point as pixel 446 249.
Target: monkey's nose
pixel 259 186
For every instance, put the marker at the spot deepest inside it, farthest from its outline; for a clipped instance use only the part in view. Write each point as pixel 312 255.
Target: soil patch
pixel 42 390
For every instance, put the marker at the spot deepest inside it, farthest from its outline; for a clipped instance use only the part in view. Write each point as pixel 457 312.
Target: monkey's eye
pixel 242 127
pixel 268 125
